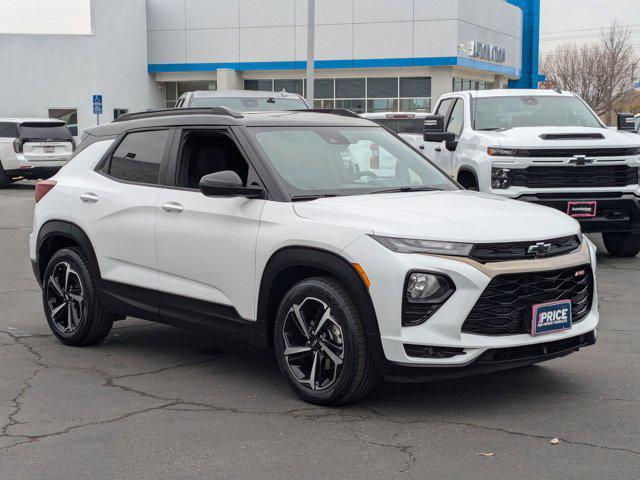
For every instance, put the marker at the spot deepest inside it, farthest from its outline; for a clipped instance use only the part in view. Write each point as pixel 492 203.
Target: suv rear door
pixel 116 206
pixel 44 141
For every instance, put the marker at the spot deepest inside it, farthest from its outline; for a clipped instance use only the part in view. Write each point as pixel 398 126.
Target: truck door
pixel 433 150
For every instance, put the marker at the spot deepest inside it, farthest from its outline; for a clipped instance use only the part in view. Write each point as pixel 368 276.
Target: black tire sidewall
pixel 77 261
pixel 622 244
pixel 343 313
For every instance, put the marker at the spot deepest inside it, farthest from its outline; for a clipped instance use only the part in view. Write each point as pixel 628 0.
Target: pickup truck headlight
pixel 502 152
pixel 501 178
pixel 411 245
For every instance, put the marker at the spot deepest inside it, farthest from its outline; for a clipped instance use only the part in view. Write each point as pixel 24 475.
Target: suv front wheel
pixel 622 244
pixel 320 343
pixel 71 302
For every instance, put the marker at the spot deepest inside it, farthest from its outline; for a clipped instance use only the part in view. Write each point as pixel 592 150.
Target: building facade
pixel 371 55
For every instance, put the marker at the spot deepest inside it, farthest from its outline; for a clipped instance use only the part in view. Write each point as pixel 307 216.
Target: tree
pixel 600 72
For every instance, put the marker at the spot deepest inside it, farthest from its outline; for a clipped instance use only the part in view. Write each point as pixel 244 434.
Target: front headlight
pixel 502 152
pixel 411 245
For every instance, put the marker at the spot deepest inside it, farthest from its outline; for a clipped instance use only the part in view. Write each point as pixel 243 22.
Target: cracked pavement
pixel 154 402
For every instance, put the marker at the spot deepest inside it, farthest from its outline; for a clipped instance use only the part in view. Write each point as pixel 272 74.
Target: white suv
pixel 283 229
pixel 33 148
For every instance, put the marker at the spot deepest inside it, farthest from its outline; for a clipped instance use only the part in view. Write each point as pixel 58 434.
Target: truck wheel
pixel 5 181
pixel 468 180
pixel 625 244
pixel 71 302
pixel 320 343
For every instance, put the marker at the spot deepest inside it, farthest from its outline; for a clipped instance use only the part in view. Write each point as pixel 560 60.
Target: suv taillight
pixel 44 187
pixel 17 145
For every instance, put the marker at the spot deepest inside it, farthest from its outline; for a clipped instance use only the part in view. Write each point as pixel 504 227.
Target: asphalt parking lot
pixel 153 402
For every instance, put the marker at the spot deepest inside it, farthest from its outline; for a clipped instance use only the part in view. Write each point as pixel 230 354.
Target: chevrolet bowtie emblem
pixel 538 249
pixel 581 160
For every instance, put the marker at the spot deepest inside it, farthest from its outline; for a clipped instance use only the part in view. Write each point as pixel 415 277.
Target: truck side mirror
pixel 626 122
pixel 434 130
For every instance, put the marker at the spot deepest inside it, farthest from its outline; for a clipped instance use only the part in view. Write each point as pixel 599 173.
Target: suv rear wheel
pixel 320 343
pixel 71 301
pixel 622 244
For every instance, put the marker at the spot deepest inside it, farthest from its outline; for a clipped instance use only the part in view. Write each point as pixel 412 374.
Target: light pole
pixel 311 31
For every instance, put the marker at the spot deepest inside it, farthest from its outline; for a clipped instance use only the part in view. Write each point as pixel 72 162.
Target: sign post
pixel 97 107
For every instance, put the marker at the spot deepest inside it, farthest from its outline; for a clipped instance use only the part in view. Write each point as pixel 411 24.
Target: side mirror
pixel 434 130
pixel 626 122
pixel 227 184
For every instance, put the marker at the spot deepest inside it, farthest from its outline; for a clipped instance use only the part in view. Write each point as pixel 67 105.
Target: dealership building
pixel 370 55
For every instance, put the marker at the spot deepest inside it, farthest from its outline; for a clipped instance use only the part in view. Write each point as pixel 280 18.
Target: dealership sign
pixel 484 51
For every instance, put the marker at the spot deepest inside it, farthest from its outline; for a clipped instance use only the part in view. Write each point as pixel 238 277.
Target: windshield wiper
pixel 408 189
pixel 302 198
pixel 492 129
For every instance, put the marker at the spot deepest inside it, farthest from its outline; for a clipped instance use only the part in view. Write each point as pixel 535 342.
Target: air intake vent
pixel 572 136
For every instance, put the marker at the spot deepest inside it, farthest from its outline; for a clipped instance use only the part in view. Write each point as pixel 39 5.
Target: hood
pixel 529 137
pixel 457 216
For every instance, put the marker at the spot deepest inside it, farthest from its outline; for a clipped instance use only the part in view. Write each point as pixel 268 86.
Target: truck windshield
pixel 402 125
pixel 251 104
pixel 503 113
pixel 327 161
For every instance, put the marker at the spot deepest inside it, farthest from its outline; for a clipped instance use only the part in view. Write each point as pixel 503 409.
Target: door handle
pixel 172 207
pixel 421 147
pixel 89 197
pixel 438 149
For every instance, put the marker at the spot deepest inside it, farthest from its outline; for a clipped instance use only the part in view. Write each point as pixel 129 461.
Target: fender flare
pixel 319 260
pixel 69 230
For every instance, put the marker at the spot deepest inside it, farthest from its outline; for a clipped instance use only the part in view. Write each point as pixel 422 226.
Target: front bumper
pixel 615 212
pixel 387 271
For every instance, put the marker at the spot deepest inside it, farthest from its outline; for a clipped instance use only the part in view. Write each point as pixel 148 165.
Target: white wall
pixel 63 71
pixel 213 31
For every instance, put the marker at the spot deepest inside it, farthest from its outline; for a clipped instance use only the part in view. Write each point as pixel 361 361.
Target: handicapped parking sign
pixel 97 104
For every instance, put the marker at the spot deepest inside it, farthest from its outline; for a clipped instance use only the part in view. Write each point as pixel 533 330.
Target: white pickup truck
pixel 547 147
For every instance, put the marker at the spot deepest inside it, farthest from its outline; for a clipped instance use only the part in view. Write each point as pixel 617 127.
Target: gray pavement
pixel 153 402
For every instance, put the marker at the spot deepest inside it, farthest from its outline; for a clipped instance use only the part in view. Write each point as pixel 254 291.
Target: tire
pixel 625 244
pixel 340 336
pixel 5 181
pixel 71 302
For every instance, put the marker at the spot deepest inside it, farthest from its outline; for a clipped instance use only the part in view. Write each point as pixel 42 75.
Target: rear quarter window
pixel 8 130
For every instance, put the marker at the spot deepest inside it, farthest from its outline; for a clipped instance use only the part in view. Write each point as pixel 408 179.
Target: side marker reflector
pixel 362 274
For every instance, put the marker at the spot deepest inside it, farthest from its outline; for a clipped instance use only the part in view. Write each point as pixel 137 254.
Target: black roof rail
pixel 343 112
pixel 170 112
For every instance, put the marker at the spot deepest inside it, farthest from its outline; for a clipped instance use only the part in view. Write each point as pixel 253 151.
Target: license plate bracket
pixel 582 209
pixel 550 317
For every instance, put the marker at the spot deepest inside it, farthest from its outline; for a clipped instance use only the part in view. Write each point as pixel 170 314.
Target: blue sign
pixel 97 104
pixel 551 317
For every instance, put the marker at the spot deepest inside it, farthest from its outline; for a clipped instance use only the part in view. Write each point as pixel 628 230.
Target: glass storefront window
pixel 323 88
pixel 382 105
pixel 415 87
pixel 355 104
pixel 323 104
pixel 68 115
pixel 382 87
pixel 415 105
pixel 261 85
pixel 462 84
pixel 350 87
pixel 290 86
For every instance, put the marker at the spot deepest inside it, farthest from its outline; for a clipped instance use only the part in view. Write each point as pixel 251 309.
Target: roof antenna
pixel 283 92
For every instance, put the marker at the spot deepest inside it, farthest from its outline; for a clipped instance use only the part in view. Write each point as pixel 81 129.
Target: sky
pixel 581 21
pixel 45 16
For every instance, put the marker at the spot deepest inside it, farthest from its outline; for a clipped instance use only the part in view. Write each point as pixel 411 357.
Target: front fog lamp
pixel 427 287
pixel 424 294
pixel 500 178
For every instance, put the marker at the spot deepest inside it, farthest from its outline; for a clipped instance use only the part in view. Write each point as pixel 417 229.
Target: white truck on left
pixel 33 148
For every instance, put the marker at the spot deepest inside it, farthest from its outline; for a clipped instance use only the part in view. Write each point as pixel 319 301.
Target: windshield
pixel 251 104
pixel 346 161
pixel 503 113
pixel 403 125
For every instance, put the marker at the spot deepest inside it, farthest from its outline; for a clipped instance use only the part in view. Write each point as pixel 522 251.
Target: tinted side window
pixel 8 130
pixel 138 158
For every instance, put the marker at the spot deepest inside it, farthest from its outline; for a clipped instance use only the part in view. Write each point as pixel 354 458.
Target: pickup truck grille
pixel 502 252
pixel 504 308
pixel 573 176
pixel 572 152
